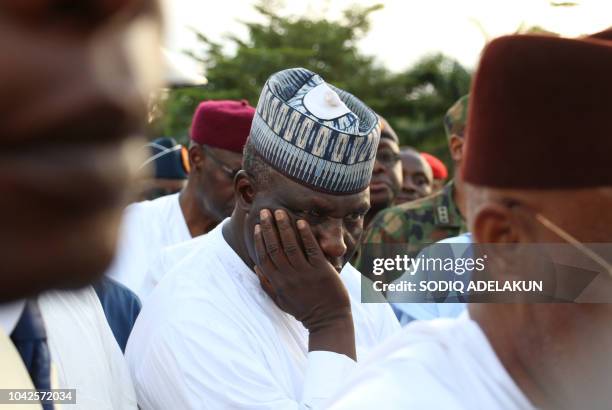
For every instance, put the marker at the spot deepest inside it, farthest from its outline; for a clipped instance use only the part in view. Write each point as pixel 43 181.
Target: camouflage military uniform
pixel 408 228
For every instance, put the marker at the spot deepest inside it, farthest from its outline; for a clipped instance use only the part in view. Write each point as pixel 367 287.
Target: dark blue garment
pixel 121 308
pixel 30 339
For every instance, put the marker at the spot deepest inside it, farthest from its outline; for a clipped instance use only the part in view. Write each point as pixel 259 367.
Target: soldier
pixel 417 224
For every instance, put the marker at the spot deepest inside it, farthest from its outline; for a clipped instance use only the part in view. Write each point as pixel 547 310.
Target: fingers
pixel 272 241
pixel 260 249
pixel 289 242
pixel 311 246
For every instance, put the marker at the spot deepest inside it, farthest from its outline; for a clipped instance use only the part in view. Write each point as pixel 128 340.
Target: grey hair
pixel 255 166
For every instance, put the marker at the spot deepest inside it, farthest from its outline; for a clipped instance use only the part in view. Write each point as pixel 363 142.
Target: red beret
pixel 222 124
pixel 540 112
pixel 437 166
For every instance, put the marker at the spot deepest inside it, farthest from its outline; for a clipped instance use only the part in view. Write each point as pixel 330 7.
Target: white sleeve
pixel 132 256
pixel 387 321
pixel 156 270
pixel 385 384
pixel 325 372
pixel 195 365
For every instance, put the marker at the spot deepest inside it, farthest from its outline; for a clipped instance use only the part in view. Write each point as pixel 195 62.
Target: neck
pixel 233 235
pixel 506 341
pixel 459 192
pixel 198 221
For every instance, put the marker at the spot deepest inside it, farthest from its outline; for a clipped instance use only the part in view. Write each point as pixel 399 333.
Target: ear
pixel 244 190
pixel 456 148
pixel 494 223
pixel 196 157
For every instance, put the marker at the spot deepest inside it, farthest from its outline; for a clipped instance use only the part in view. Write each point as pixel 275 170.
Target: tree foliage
pixel 413 101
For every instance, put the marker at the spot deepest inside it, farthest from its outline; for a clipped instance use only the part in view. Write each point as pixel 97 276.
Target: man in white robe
pixel 218 133
pixel 518 354
pixel 216 334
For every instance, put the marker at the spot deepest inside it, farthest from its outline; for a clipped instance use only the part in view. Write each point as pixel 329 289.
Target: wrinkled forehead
pixel 291 193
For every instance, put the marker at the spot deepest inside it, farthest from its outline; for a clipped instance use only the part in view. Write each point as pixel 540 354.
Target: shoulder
pixel 112 292
pixel 411 369
pixel 70 302
pixel 157 205
pixel 397 219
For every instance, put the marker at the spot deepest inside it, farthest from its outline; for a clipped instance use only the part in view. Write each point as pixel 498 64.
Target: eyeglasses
pixel 229 171
pixel 566 236
pixel 387 158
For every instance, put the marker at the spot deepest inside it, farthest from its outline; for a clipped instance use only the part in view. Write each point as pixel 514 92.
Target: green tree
pixel 413 101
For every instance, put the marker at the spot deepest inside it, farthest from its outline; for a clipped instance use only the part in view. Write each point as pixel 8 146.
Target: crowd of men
pixel 236 280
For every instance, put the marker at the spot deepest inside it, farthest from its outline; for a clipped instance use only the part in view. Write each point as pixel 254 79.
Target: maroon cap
pixel 222 124
pixel 437 167
pixel 539 115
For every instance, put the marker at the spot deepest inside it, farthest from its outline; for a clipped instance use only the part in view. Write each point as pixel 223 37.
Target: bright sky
pixel 404 30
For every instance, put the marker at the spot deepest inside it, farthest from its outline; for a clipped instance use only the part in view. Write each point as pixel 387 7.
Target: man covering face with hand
pixel 264 311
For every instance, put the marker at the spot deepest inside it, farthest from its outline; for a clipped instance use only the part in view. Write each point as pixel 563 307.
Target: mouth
pixel 379 186
pixel 408 197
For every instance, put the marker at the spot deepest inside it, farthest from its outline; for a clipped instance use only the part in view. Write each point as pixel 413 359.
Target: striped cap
pixel 315 133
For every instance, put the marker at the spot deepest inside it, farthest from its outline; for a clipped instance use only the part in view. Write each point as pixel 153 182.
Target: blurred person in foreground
pixel 387 174
pixel 218 132
pixel 521 135
pixel 169 163
pixel 73 90
pixel 412 226
pixel 439 171
pixel 417 176
pixel 264 311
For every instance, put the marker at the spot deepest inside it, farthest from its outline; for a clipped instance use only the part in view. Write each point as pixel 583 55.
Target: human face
pixel 336 220
pixel 386 176
pixel 417 177
pixel 556 338
pixel 64 157
pixel 541 229
pixel 216 169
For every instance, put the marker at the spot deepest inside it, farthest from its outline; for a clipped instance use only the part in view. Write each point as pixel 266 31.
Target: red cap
pixel 539 115
pixel 437 166
pixel 223 124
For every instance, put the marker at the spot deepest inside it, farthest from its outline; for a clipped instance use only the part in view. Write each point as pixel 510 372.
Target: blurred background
pixel 409 60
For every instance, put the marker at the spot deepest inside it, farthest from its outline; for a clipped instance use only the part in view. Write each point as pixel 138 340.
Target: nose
pixel 409 185
pixel 378 167
pixel 331 241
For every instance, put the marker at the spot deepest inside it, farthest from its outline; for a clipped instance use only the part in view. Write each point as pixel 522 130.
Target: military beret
pixel 456 118
pixel 437 167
